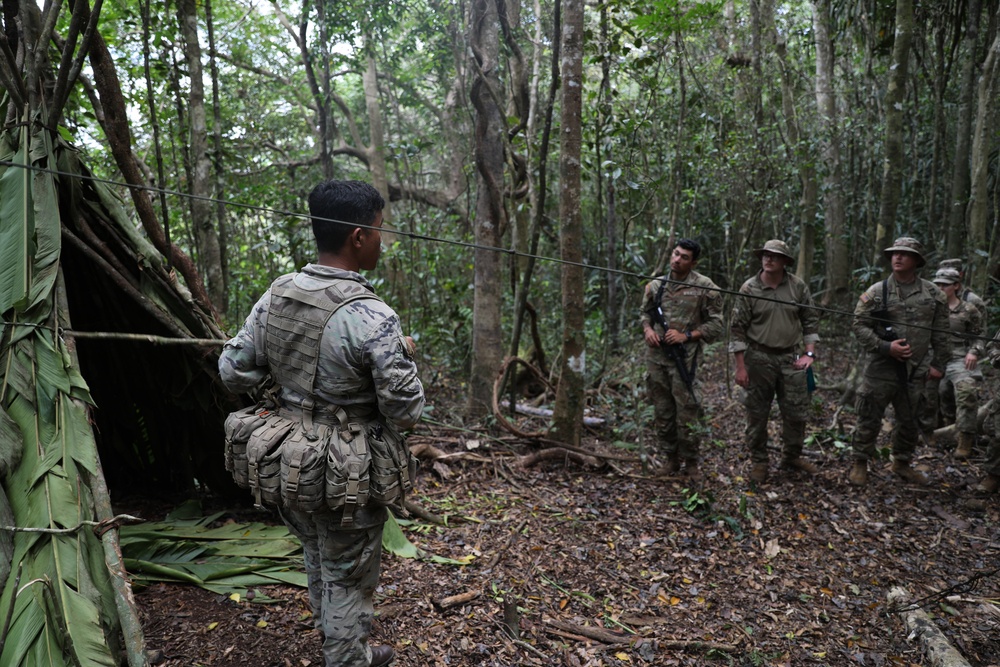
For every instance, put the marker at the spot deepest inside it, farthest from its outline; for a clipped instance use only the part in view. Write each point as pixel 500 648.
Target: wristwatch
pixel 688 334
pixel 811 354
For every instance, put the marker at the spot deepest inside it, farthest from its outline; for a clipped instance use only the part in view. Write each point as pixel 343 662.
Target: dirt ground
pixel 581 565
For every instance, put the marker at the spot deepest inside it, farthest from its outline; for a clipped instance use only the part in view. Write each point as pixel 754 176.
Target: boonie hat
pixel 947 276
pixel 906 244
pixel 951 264
pixel 777 247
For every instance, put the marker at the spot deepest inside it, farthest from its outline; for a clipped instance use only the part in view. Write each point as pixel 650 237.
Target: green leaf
pixel 17 229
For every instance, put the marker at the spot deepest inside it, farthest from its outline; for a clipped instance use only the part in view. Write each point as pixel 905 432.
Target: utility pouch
pixel 303 467
pixel 348 460
pixel 238 428
pixel 264 460
pixel 393 467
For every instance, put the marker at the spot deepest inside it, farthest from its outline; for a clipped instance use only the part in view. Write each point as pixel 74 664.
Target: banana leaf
pixel 63 611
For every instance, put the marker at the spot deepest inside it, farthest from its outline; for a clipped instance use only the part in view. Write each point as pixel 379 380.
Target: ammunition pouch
pixel 305 462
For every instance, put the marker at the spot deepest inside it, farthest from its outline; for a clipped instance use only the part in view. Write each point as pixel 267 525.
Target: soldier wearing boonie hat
pixel 771 318
pixel 898 322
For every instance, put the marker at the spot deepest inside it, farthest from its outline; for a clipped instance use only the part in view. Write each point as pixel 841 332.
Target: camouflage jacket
pixel 777 325
pixel 968 320
pixel 918 313
pixel 691 304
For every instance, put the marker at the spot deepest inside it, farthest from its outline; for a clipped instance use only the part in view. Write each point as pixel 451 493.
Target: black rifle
pixel 677 352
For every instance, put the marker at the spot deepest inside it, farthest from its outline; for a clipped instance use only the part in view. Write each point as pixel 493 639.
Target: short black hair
pixel 691 245
pixel 337 207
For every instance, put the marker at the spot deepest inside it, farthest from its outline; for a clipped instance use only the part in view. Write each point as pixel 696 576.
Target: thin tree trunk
pixel 606 191
pixel 960 178
pixel 218 174
pixel 983 142
pixel 487 353
pixel 940 83
pixel 837 266
pixel 206 236
pixel 895 97
pixel 803 157
pixel 567 421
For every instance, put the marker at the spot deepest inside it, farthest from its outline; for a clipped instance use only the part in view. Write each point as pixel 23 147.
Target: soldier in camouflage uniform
pixel 897 320
pixel 966 348
pixel 365 366
pixel 765 338
pixel 991 482
pixel 683 310
pixel 939 398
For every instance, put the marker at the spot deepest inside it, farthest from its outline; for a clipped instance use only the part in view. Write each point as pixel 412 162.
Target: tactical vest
pixel 308 456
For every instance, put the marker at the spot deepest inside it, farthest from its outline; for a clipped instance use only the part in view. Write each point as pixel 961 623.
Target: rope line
pixel 434 239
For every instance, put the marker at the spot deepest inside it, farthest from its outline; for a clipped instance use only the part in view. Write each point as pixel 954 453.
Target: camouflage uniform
pixel 919 303
pixel 364 367
pixel 768 333
pixel 688 305
pixel 992 465
pixel 964 319
pixel 939 398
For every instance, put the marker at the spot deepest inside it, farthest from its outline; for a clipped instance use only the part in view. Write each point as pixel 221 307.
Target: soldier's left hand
pixel 802 363
pixel 934 374
pixel 971 359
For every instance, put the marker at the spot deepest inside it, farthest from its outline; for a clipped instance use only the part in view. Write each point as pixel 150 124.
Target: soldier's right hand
pixel 900 350
pixel 652 338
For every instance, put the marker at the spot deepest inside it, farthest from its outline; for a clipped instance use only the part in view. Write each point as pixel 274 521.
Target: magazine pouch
pixel 303 466
pixel 393 467
pixel 264 460
pixel 239 426
pixel 348 460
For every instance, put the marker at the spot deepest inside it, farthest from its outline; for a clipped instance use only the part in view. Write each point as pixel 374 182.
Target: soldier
pixel 897 320
pixel 360 364
pixel 965 349
pixel 679 315
pixel 939 401
pixel 770 319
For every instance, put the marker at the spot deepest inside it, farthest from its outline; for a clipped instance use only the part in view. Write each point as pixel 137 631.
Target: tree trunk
pixel 219 173
pixel 568 418
pixel 983 142
pixel 487 353
pixel 963 137
pixel 803 157
pixel 606 179
pixel 206 236
pixel 895 97
pixel 838 270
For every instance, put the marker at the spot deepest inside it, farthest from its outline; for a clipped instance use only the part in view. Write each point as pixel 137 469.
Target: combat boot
pixel 964 449
pixel 859 474
pixel 989 485
pixel 382 655
pixel 799 463
pixel 692 471
pixel 758 473
pixel 910 474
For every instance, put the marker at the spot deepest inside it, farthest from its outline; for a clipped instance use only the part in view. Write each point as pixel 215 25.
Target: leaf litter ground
pixel 584 567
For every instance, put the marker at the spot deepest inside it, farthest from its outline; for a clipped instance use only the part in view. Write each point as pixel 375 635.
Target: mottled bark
pixel 206 236
pixel 838 270
pixel 487 353
pixel 567 421
pixel 984 141
pixel 895 98
pixel 960 177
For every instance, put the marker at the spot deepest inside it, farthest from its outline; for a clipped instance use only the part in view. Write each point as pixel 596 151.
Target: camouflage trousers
pixel 874 397
pixel 955 397
pixel 342 569
pixel 772 375
pixel 674 409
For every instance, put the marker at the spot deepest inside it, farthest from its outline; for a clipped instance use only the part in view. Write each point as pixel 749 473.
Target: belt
pixel 760 347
